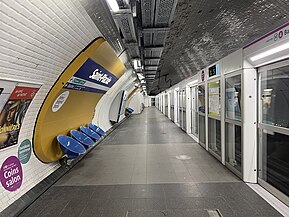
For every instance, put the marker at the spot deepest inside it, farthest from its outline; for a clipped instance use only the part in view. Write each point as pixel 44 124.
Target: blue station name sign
pixel 91 77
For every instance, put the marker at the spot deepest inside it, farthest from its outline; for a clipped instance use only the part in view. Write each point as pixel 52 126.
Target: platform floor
pixel 135 172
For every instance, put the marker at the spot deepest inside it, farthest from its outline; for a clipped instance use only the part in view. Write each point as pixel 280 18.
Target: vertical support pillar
pixel 223 116
pixel 250 99
pixel 207 112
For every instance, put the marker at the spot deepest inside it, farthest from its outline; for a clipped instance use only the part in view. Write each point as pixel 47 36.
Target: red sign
pixel 23 93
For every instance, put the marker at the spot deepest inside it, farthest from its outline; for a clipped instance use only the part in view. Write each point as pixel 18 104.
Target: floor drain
pixel 214 213
pixel 183 157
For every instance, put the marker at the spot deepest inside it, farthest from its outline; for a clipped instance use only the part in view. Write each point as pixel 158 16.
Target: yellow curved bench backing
pixel 79 107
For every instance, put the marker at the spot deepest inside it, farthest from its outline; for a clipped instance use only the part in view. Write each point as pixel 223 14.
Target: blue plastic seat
pixel 70 146
pixel 130 110
pixel 90 133
pixel 82 138
pixel 97 129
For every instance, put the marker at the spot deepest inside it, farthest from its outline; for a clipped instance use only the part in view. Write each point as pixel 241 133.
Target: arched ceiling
pixel 204 31
pixel 174 39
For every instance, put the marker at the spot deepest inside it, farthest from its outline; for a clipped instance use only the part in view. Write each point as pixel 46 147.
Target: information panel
pixel 214 70
pixel 214 98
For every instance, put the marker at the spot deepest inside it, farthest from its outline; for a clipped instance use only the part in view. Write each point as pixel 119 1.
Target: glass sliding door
pixel 153 101
pixel 172 106
pixel 274 129
pixel 233 122
pixel 184 126
pixel 214 121
pixel 202 114
pixel 166 104
pixel 157 102
pixel 177 107
pixel 180 108
pixel 194 111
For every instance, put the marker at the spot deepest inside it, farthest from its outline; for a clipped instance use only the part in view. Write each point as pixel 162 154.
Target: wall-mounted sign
pixel 15 99
pixel 203 75
pixel 270 38
pixel 60 100
pixel 91 77
pixel 11 174
pixel 214 70
pixel 24 151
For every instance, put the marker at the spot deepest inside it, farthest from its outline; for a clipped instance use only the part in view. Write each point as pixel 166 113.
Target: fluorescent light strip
pixel 274 60
pixel 113 5
pixel 270 52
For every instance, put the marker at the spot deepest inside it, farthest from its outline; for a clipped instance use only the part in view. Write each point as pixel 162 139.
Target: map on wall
pixel 91 77
pixel 15 99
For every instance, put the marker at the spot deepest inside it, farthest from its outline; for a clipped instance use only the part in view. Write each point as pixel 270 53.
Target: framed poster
pixel 15 99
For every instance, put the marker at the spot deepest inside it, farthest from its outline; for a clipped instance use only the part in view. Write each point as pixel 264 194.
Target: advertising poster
pixel 15 99
pixel 214 98
pixel 11 174
pixel 91 77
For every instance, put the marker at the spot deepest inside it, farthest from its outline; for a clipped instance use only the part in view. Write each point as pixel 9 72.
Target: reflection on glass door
pixel 172 105
pixel 194 110
pixel 201 114
pixel 180 108
pixel 183 108
pixel 233 128
pixel 153 101
pixel 274 128
pixel 166 105
pixel 214 122
pixel 177 107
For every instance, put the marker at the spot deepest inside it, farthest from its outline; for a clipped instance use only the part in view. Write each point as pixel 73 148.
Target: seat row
pixel 80 140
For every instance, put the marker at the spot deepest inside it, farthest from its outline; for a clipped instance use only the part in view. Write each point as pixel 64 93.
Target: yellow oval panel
pixel 77 108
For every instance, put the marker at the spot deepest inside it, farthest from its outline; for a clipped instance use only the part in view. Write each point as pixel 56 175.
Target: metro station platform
pixel 149 167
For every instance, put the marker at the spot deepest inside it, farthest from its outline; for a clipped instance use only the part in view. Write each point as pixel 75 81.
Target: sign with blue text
pixel 91 77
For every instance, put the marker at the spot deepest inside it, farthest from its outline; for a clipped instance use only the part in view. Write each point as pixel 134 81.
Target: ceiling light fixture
pixel 273 60
pixel 113 5
pixel 270 52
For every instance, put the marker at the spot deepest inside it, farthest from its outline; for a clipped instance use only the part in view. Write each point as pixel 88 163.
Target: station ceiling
pixel 175 39
pixel 204 31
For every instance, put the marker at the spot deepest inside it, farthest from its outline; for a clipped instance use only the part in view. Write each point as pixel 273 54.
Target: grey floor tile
pixel 120 191
pixel 102 192
pixel 114 213
pixel 94 208
pixel 146 213
pixel 156 204
pixel 180 203
pixel 35 208
pixel 135 170
pixel 53 208
pixel 73 209
pixel 187 213
pixel 138 204
pixel 118 204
